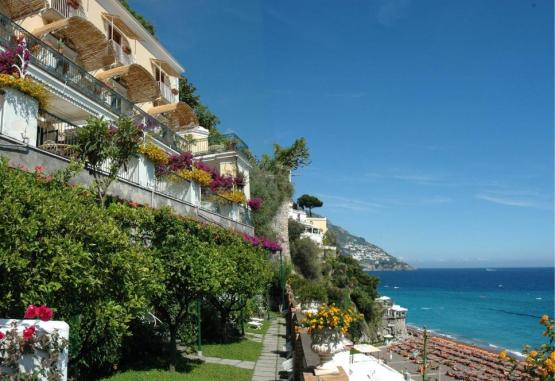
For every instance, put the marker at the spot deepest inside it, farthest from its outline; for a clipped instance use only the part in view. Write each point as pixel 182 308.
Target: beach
pixel 453 360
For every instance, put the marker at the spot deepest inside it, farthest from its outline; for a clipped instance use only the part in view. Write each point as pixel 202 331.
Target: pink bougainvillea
pixel 263 242
pixel 255 203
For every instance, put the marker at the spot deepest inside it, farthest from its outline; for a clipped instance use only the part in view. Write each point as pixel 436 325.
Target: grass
pixel 246 350
pixel 262 330
pixel 196 372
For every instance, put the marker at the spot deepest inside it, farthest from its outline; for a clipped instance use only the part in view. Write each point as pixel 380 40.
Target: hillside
pixel 370 256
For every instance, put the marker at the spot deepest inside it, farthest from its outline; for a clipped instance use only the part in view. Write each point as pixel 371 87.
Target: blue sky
pixel 430 122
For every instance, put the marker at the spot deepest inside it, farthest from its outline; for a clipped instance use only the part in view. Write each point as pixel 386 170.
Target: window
pixel 114 35
pixel 160 75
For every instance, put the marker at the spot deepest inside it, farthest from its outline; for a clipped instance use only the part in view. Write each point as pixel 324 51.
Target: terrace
pixel 76 95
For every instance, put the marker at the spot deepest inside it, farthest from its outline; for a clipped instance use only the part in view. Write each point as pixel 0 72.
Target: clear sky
pixel 430 122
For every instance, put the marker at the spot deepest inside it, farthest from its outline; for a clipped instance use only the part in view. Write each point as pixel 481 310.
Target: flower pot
pixel 326 342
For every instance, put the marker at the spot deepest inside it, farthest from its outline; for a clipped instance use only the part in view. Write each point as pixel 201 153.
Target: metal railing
pixel 166 92
pixel 62 68
pixel 121 56
pixel 53 130
pixel 224 143
pixel 217 204
pixel 63 8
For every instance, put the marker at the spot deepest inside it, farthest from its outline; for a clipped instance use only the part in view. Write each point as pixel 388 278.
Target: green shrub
pixel 305 257
pixel 58 247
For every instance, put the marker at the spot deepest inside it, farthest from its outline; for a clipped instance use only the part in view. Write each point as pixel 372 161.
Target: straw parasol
pixel 17 9
pixel 141 86
pixel 180 115
pixel 88 41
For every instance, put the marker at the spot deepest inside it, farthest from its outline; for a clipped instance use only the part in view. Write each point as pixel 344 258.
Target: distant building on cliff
pixel 393 324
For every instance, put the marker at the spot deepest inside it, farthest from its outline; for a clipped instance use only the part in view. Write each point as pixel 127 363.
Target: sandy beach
pixel 453 360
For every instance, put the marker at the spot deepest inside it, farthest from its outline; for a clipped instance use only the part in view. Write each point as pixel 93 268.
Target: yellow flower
pixel 552 356
pixel 154 153
pixel 26 86
pixel 544 319
pixel 503 355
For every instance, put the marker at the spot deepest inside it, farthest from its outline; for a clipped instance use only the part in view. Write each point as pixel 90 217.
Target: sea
pixel 496 308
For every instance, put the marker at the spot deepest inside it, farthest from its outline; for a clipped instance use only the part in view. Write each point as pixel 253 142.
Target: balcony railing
pixel 66 71
pixel 167 93
pixel 215 203
pixel 223 143
pixel 121 56
pixel 54 132
pixel 62 7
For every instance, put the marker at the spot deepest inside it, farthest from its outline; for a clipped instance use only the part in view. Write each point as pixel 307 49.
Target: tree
pixel 144 22
pixel 304 254
pixel 293 157
pixel 192 269
pixel 206 118
pixel 188 94
pixel 309 201
pixel 106 149
pixel 60 248
pixel 247 275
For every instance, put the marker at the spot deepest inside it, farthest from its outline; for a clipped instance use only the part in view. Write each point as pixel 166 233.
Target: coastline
pixel 489 347
pixel 455 359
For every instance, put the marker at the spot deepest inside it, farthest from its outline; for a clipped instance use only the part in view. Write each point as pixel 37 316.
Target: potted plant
pixel 327 328
pixel 73 4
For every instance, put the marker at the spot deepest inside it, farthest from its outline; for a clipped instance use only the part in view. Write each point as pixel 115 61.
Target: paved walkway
pixel 222 361
pixel 269 363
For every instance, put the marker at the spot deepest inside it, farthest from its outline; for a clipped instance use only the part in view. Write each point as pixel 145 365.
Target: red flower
pixel 29 332
pixel 30 312
pixel 2 335
pixel 39 168
pixel 44 313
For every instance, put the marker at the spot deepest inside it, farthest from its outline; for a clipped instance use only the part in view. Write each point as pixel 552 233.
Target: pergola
pixel 180 115
pixel 91 45
pixel 141 86
pixel 20 8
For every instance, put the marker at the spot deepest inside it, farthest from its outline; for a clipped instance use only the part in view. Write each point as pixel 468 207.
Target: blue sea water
pixel 499 308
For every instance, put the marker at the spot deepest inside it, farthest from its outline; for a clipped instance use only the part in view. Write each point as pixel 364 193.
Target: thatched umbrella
pixel 17 9
pixel 141 86
pixel 179 114
pixel 90 43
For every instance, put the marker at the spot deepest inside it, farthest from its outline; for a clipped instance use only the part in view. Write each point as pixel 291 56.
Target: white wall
pixel 31 362
pixel 18 115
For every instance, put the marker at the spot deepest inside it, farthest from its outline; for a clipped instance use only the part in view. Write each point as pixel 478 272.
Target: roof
pixel 398 308
pixel 115 7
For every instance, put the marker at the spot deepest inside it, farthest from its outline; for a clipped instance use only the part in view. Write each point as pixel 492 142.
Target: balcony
pixel 122 57
pixel 222 143
pixel 60 9
pixel 167 93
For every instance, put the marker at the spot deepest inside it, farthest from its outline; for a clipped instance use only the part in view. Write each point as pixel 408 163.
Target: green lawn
pixel 201 372
pixel 262 330
pixel 240 350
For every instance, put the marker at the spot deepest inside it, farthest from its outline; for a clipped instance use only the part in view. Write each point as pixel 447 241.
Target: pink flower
pixel 30 312
pixel 2 335
pixel 44 313
pixel 29 332
pixel 39 168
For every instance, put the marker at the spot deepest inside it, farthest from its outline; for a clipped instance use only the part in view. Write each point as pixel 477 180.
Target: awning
pixel 141 86
pixel 120 24
pixel 180 115
pixel 166 67
pixel 90 43
pixel 366 348
pixel 20 8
